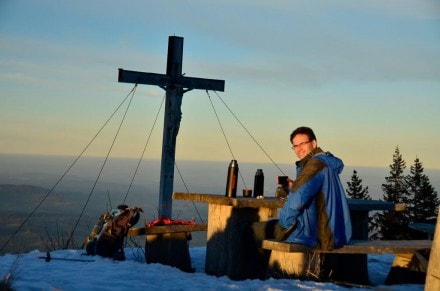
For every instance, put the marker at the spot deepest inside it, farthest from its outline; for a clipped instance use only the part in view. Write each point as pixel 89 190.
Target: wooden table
pixel 227 218
pixel 359 213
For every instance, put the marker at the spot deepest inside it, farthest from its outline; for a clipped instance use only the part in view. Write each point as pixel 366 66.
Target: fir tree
pixel 423 202
pixel 392 224
pixel 395 187
pixel 355 188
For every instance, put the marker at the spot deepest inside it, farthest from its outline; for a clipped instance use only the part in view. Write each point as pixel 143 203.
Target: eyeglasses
pixel 300 145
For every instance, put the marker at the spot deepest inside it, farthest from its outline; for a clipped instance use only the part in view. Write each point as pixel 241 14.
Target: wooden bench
pixel 168 244
pixel 288 260
pixel 163 229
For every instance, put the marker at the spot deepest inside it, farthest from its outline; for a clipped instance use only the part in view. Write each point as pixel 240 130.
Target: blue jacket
pixel 317 204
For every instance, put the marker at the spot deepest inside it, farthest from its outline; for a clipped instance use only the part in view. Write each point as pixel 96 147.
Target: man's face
pixel 302 145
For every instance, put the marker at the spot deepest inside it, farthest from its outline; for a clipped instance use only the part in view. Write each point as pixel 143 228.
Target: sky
pixel 28 272
pixel 365 75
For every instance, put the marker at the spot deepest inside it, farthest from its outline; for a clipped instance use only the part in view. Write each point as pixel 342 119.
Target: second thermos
pixel 259 183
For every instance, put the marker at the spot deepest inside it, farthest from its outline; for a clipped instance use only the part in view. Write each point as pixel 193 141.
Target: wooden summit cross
pixel 175 85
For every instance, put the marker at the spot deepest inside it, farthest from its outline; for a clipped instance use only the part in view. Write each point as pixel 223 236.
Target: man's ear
pixel 314 144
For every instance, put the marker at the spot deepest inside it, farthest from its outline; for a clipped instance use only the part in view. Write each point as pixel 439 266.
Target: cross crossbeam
pixel 165 81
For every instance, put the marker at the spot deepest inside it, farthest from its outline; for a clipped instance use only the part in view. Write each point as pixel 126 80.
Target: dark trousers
pixel 255 233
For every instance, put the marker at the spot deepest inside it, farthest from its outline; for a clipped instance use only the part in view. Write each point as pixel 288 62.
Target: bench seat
pixel 348 263
pixel 356 247
pixel 162 229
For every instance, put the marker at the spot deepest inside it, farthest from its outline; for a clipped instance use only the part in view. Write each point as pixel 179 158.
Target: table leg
pixel 169 249
pixel 225 249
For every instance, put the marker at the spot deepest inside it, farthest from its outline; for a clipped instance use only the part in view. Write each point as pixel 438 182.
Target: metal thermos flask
pixel 231 183
pixel 259 183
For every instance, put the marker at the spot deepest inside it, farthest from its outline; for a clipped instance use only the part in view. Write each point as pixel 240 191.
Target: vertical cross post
pixel 172 118
pixel 175 85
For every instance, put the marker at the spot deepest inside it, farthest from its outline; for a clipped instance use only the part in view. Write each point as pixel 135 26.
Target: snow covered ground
pixel 29 272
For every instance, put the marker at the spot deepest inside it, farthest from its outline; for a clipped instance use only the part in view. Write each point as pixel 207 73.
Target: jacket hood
pixel 328 158
pixel 331 161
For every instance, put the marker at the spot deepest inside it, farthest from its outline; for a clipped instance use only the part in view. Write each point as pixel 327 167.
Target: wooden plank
pixel 356 247
pixel 161 229
pixel 285 247
pixel 428 228
pixel 368 205
pixel 433 275
pixel 273 202
pixel 239 202
pixel 127 76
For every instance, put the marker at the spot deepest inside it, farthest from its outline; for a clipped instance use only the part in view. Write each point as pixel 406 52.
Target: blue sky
pixel 365 75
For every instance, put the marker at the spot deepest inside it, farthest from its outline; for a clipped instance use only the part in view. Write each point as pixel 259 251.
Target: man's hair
pixel 303 130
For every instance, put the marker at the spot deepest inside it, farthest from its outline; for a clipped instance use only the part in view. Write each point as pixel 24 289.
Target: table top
pixel 366 205
pixel 239 202
pixel 273 202
pixel 424 227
